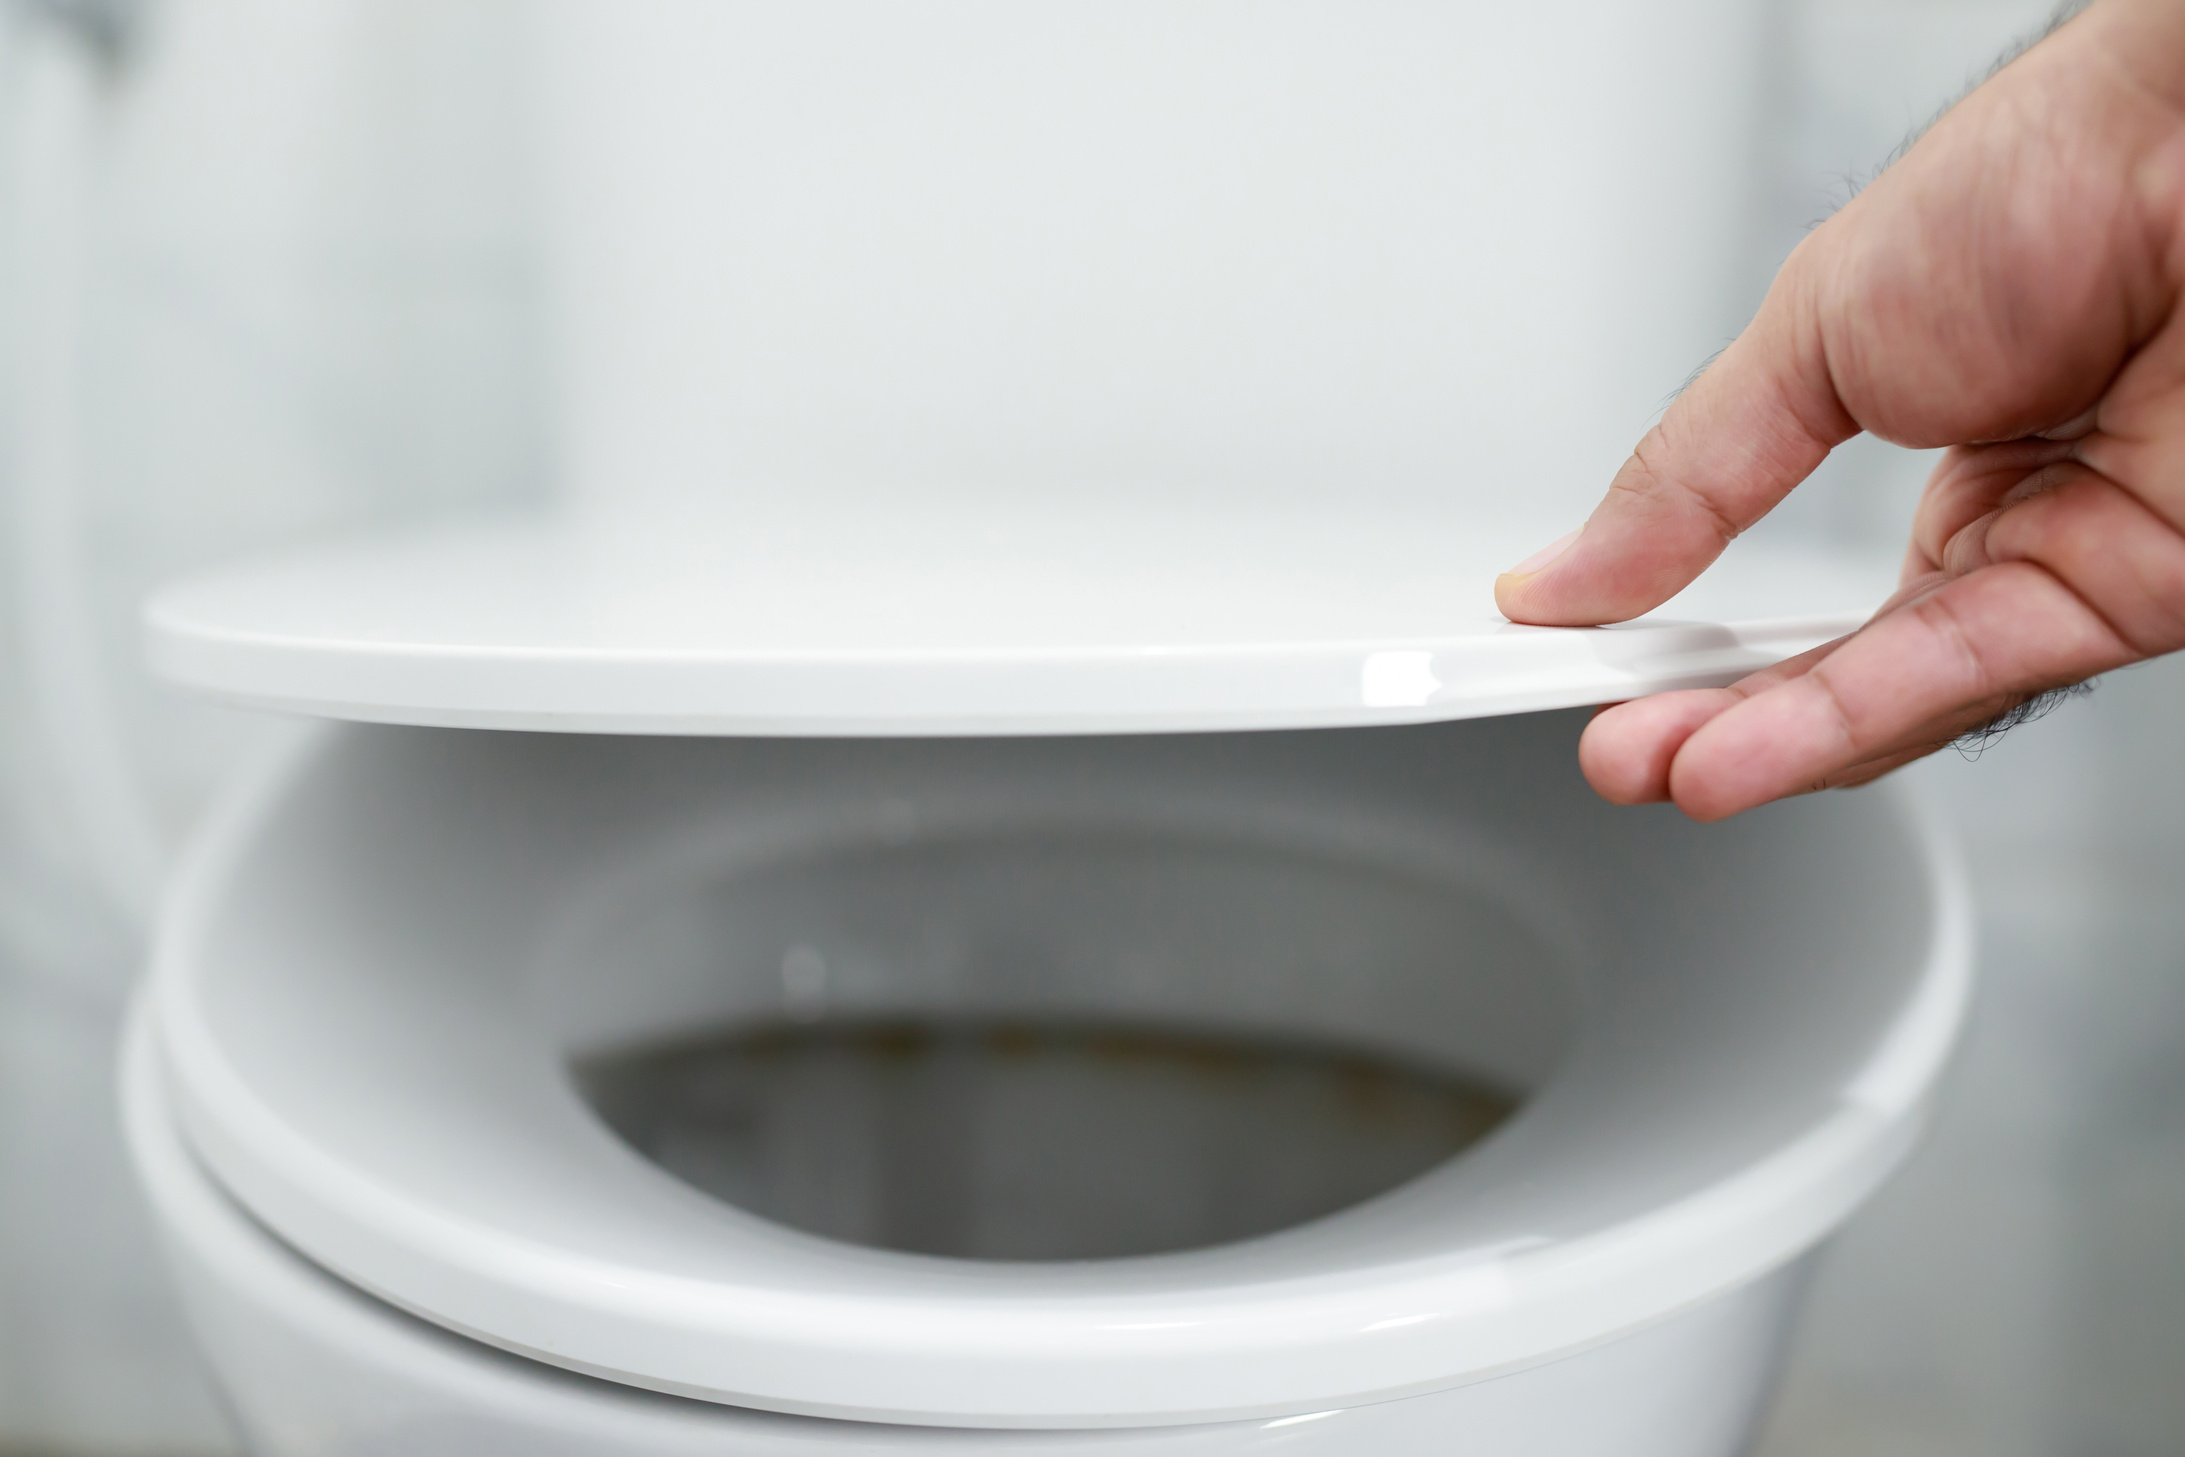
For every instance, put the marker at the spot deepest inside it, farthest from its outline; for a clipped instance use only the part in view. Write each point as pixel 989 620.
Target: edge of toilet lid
pixel 1030 619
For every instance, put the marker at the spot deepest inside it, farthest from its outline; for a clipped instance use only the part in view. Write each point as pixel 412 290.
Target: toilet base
pixel 313 1367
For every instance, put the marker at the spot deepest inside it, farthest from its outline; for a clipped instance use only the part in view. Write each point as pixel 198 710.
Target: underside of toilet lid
pixel 345 1000
pixel 1018 618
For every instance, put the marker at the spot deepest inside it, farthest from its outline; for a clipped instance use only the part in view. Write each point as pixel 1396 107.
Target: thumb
pixel 1754 425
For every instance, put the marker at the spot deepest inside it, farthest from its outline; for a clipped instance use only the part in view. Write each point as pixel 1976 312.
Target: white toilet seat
pixel 382 1081
pixel 325 1355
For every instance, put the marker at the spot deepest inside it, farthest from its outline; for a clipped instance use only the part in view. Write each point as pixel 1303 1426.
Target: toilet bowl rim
pixel 1811 1187
pixel 1264 1361
pixel 229 1262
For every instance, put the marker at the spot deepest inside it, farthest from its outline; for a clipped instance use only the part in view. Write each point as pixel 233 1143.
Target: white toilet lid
pixel 365 1005
pixel 1030 618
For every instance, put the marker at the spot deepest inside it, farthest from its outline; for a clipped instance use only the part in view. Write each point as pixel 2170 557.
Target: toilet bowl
pixel 364 1091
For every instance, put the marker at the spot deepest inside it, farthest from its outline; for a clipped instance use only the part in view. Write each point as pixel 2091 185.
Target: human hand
pixel 2011 289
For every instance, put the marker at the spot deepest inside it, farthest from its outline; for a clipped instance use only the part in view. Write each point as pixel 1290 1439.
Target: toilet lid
pixel 1018 618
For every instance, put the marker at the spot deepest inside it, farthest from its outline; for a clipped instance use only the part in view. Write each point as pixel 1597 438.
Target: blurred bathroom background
pixel 305 303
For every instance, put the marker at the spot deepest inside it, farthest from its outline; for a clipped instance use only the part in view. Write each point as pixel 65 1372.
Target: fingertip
pixel 1516 598
pixel 1607 572
pixel 1506 589
pixel 1537 599
pixel 1618 764
pixel 1781 742
pixel 1701 810
pixel 1522 594
pixel 1707 790
pixel 1628 750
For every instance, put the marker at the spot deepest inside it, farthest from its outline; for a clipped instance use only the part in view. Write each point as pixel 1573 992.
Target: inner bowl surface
pixel 1069 1046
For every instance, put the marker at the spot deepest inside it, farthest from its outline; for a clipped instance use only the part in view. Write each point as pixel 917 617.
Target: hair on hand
pixel 1977 741
pixel 1851 184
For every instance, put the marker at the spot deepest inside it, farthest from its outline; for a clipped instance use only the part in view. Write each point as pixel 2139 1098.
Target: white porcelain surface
pixel 1728 1033
pixel 312 1367
pixel 955 619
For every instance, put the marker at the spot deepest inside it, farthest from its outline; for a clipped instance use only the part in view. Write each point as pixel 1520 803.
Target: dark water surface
pixel 1030 1141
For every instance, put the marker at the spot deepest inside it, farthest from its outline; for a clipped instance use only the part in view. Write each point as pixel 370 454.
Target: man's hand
pixel 2011 289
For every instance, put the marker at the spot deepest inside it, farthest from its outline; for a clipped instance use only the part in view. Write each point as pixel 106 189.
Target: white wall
pixel 309 311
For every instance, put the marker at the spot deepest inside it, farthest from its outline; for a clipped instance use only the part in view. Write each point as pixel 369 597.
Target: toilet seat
pixel 378 1074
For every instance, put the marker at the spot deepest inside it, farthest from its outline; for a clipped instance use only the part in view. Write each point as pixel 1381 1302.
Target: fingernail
pixel 1545 555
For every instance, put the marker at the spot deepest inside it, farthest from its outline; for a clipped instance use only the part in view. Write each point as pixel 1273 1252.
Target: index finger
pixel 1753 426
